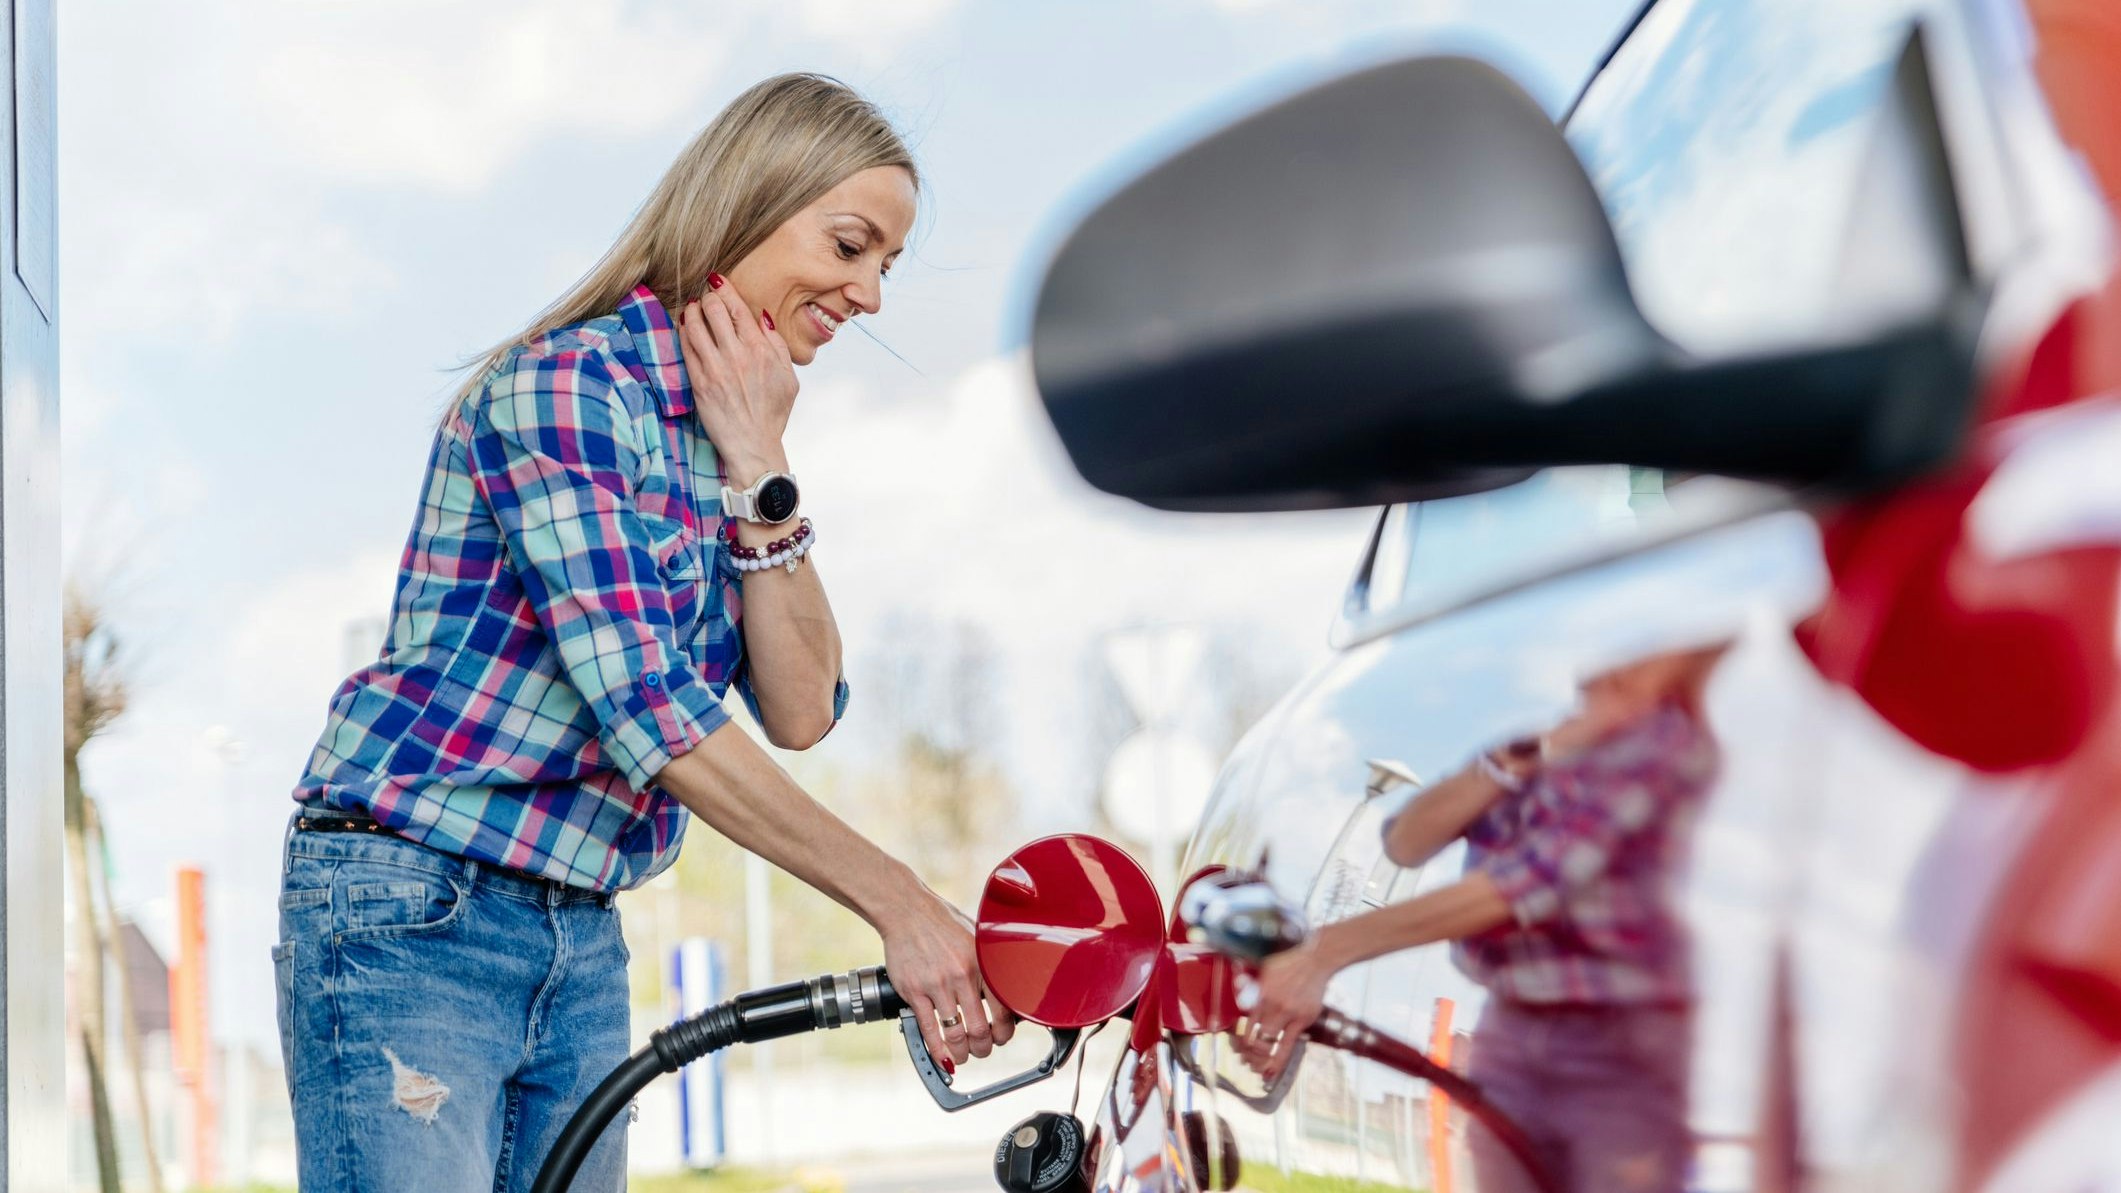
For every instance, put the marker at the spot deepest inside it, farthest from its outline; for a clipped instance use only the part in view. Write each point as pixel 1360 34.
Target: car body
pixel 1905 892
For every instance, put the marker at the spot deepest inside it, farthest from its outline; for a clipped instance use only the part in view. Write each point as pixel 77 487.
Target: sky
pixel 284 222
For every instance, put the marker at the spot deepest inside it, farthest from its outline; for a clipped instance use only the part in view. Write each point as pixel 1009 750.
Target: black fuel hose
pixel 823 1003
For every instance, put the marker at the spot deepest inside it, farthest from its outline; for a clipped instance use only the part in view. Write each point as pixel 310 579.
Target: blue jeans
pixel 1602 1092
pixel 441 1019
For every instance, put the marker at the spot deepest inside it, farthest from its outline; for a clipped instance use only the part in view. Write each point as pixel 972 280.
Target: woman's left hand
pixel 743 382
pixel 1290 992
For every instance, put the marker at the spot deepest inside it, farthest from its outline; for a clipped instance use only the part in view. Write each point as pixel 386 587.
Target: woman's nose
pixel 866 295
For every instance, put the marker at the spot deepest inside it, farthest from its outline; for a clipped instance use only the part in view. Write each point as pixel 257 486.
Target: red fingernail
pixel 947 1066
pixel 768 320
pixel 715 280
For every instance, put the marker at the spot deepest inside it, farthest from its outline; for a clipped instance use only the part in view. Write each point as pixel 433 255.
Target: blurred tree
pixel 95 696
pixel 942 803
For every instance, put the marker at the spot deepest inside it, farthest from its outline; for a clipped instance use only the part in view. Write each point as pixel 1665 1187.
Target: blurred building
pixel 256 1122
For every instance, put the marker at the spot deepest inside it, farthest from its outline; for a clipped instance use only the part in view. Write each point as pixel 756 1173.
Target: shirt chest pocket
pixel 682 564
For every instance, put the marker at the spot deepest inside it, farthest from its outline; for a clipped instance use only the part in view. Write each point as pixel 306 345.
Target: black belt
pixel 341 823
pixel 354 822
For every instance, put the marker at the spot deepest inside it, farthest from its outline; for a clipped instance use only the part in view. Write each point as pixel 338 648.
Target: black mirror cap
pixel 1401 286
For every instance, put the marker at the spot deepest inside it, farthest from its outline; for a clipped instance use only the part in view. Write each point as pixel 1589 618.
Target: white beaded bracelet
pixel 788 558
pixel 1499 774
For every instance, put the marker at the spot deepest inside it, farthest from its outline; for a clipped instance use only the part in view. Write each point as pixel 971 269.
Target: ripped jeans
pixel 441 1019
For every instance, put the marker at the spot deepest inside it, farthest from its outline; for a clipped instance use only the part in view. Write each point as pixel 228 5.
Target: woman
pixel 608 538
pixel 1564 914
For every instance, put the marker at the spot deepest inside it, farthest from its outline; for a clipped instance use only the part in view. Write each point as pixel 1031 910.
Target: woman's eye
pixel 848 252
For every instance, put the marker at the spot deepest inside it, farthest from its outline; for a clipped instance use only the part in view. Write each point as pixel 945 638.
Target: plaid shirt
pixel 565 621
pixel 1587 854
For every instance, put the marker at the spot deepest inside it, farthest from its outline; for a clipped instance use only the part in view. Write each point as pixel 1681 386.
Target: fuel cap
pixel 1070 928
pixel 1045 1153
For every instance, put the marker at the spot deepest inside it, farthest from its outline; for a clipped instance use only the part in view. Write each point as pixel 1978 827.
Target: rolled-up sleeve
pixel 555 453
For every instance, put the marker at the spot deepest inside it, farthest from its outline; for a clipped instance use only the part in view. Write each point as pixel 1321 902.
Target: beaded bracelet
pixel 782 552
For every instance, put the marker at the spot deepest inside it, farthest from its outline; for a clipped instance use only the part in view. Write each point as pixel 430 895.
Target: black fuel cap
pixel 1042 1154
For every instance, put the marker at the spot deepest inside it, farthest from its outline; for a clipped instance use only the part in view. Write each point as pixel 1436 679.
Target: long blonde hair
pixel 772 152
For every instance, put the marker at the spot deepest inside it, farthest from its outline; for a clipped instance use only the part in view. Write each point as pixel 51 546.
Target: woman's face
pixel 827 263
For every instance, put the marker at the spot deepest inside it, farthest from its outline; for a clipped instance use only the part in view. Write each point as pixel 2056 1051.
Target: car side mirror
pixel 1401 285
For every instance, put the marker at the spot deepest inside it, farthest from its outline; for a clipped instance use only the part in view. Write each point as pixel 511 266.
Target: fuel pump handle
pixel 939 1084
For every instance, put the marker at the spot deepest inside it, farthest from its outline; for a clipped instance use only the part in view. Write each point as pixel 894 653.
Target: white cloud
pixel 876 24
pixel 964 508
pixel 444 95
pixel 204 187
pixel 195 270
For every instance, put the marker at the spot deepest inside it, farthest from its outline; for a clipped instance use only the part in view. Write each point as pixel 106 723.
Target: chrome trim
pixel 821 1007
pixel 843 991
pixel 1348 632
pixel 872 991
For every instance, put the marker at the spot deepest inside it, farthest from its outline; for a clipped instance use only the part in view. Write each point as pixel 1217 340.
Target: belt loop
pixel 471 875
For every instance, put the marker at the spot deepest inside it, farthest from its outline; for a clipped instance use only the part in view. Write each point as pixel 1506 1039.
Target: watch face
pixel 777 499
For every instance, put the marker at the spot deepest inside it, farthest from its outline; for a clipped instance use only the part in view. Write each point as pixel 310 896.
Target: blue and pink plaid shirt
pixel 565 623
pixel 1588 855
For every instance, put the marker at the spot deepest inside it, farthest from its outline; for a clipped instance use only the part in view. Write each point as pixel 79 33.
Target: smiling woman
pixel 607 541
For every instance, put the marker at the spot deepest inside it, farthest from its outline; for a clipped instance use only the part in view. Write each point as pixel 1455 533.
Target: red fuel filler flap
pixel 1070 930
pixel 1070 934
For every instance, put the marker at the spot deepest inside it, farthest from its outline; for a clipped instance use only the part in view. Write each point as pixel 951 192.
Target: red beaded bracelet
pixel 753 554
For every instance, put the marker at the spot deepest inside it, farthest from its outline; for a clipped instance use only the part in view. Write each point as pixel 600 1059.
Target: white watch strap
pixel 739 504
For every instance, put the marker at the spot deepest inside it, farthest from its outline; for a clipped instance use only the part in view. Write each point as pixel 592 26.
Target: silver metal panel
pixel 32 995
pixel 36 136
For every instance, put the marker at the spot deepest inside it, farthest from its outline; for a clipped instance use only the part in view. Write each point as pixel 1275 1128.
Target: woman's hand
pixel 1287 997
pixel 929 954
pixel 743 383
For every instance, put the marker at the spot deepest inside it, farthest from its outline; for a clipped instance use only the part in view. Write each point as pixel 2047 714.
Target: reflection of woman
pixel 603 500
pixel 1564 914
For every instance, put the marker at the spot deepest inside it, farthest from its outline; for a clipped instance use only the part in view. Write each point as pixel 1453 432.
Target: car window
pixel 1727 140
pixel 1436 552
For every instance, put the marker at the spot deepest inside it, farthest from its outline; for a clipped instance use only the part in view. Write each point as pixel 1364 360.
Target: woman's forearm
pixel 791 644
pixel 1468 906
pixel 730 783
pixel 1438 816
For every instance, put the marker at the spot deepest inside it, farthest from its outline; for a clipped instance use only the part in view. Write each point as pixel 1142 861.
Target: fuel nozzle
pixel 817 1004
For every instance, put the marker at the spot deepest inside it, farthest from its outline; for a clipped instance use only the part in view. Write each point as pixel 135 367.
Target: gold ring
pixel 950 1022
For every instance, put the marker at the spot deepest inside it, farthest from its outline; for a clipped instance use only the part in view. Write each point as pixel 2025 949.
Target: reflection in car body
pixel 1907 957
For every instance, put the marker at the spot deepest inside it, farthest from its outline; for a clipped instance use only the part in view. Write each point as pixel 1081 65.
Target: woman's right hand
pixel 928 952
pixel 743 383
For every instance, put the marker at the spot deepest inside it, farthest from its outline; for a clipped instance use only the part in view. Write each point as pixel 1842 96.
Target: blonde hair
pixel 772 152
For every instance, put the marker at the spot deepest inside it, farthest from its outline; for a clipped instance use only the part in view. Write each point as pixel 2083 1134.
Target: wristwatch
pixel 771 499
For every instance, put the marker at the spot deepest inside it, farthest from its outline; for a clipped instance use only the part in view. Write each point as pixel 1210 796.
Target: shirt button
pixel 653 680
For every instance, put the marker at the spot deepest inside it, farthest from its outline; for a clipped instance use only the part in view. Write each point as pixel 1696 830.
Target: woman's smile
pixel 824 320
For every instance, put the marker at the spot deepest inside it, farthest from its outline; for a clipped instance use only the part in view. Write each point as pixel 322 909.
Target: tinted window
pixel 1728 139
pixel 1438 552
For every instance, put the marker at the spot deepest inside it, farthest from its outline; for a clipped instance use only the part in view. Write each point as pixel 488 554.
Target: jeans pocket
pixel 411 904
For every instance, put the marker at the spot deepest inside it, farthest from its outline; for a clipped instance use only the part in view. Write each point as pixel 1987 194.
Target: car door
pixel 1472 622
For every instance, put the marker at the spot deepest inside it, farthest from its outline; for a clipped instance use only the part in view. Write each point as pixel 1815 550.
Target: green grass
pixel 734 1180
pixel 721 1180
pixel 1263 1179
